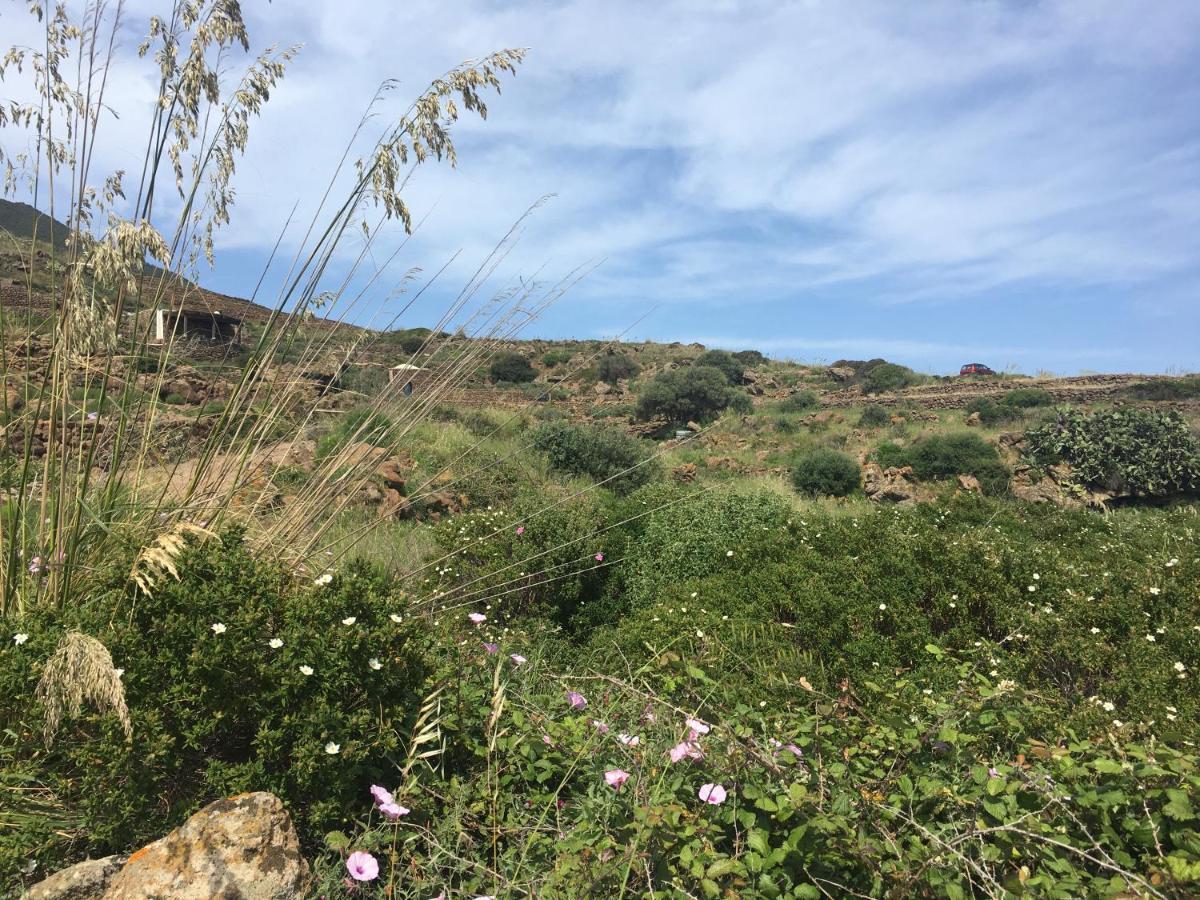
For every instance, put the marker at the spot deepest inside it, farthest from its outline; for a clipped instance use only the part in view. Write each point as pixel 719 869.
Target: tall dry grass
pixel 84 490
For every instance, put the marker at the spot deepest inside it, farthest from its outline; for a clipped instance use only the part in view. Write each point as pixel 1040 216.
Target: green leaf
pixel 336 841
pixel 757 841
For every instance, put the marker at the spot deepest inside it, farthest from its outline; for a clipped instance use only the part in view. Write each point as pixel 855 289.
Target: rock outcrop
pixel 891 485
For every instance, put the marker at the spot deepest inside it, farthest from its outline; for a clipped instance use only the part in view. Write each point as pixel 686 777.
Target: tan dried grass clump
pixel 158 558
pixel 80 669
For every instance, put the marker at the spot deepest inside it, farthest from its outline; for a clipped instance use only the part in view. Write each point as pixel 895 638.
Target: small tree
pixel 511 367
pixel 615 366
pixel 723 361
pixel 698 393
pixel 750 358
pixel 825 472
pixel 606 455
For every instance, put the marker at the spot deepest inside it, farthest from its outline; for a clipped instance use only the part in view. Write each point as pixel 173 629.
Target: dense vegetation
pixel 696 393
pixel 947 455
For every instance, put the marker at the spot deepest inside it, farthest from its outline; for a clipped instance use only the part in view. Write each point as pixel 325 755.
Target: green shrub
pixel 175 399
pixel 888 377
pixel 990 412
pixel 367 380
pixel 697 393
pixel 750 358
pixel 512 368
pixel 824 472
pixel 614 367
pixel 874 416
pixel 724 362
pixel 555 357
pixel 947 455
pixel 607 455
pixel 800 401
pixel 1127 451
pixel 216 713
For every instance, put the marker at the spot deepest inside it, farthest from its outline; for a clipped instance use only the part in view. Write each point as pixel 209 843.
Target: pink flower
pixel 599 726
pixel 546 740
pixel 362 866
pixel 686 749
pixel 517 659
pixel 695 729
pixel 599 557
pixel 616 778
pixel 382 795
pixel 393 810
pixel 712 794
pixel 93 416
pixel 477 618
pixel 491 648
pixel 576 699
pixel 520 530
pixel 629 740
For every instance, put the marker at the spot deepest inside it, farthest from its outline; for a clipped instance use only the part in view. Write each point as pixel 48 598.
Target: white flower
pixel 1151 638
pixel 1037 577
pixel 1118 723
pixel 1108 706
pixel 333 749
pixel 883 606
pixel 374 663
pixel 1094 630
pixel 118 672
pixel 19 638
pixel 322 580
pixel 1172 563
pixel 218 627
pixel 1180 667
pixel 349 620
pixel 1155 591
pixel 629 740
pixel 1032 588
pixel 729 553
pixel 395 618
pixel 274 643
pixel 306 670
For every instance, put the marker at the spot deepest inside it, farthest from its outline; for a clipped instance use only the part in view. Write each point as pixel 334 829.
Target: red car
pixel 975 369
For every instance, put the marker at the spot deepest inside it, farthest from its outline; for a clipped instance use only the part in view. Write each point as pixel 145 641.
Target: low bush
pixel 750 358
pixel 556 357
pixel 947 455
pixel 607 455
pixel 614 367
pixel 874 416
pixel 1140 452
pixel 800 401
pixel 697 393
pixel 888 377
pixel 825 473
pixel 512 368
pixel 1028 398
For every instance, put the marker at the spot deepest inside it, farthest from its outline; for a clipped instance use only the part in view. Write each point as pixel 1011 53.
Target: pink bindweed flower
pixel 576 699
pixel 697 727
pixel 517 659
pixel 616 778
pixel 93 416
pixel 546 740
pixel 477 618
pixel 382 795
pixel 599 726
pixel 362 866
pixel 686 749
pixel 393 811
pixel 713 794
pixel 520 530
pixel 491 648
pixel 599 557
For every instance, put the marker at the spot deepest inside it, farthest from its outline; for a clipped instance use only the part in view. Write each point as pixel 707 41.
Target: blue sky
pixel 1016 183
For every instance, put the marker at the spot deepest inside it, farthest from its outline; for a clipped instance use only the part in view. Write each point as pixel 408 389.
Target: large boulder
pixel 244 846
pixel 83 881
